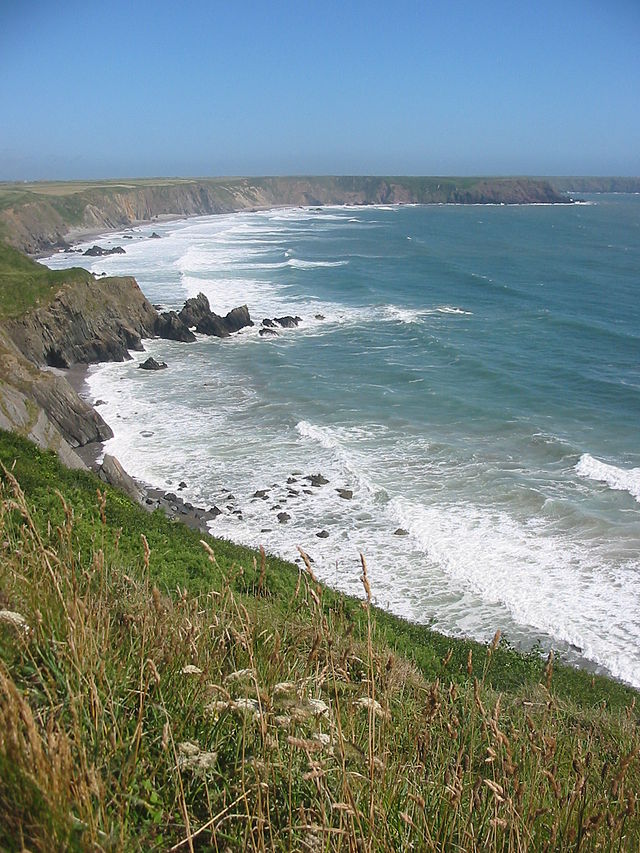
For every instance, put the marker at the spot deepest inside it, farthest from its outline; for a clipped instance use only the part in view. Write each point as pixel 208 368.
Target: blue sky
pixel 115 89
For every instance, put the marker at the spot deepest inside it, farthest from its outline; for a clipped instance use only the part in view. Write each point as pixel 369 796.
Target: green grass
pixel 25 284
pixel 305 720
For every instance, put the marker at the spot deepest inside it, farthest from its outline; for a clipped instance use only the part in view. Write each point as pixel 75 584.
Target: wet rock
pixel 319 317
pixel 266 530
pixel 100 403
pixel 291 480
pixel 346 494
pixel 170 327
pixel 182 485
pixel 293 493
pixel 288 322
pixel 171 497
pixel 152 364
pixel 264 333
pixel 267 322
pixel 283 517
pixel 231 497
pixel 307 492
pixel 323 534
pixel 194 310
pixel 317 480
pixel 400 532
pixel 98 251
pixel 154 236
pixel 214 511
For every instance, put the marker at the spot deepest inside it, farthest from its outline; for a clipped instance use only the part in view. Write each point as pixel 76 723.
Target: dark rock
pixel 283 517
pixel 100 403
pixel 171 327
pixel 214 511
pixel 324 534
pixel 268 322
pixel 268 333
pixel 291 480
pixel 288 322
pixel 317 480
pixel 400 532
pixel 261 493
pixel 171 497
pixel 182 485
pixel 112 472
pixel 194 310
pixel 152 364
pixel 238 319
pixel 213 325
pixel 266 530
pixel 154 236
pixel 307 492
pixel 188 505
pixel 347 494
pixel 98 251
pixel 319 316
pixel 231 497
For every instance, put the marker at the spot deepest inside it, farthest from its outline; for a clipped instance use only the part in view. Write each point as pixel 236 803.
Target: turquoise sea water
pixel 474 380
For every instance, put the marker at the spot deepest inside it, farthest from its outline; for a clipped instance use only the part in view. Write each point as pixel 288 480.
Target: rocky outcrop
pixel 86 322
pixel 170 326
pixel 197 312
pixel 44 407
pixel 98 251
pixel 152 364
pixel 112 472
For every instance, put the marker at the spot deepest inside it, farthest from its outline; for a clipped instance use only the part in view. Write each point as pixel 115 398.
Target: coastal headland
pixel 162 689
pixel 37 217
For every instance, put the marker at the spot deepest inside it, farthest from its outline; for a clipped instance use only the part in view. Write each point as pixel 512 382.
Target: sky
pixel 388 87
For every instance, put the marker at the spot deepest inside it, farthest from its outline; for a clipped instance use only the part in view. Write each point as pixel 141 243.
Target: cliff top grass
pixel 26 284
pixel 165 690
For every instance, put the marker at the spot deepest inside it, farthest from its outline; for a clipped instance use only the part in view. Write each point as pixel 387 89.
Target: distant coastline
pixel 39 217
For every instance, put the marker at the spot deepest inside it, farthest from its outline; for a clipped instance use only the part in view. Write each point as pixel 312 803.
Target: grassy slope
pixel 25 283
pixel 104 740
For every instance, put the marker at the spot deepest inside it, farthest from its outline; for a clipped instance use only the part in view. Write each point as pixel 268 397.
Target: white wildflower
pixel 10 617
pixel 372 705
pixel 190 669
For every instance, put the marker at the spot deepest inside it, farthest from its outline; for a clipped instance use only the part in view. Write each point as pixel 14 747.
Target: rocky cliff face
pixel 44 407
pixel 37 222
pixel 86 322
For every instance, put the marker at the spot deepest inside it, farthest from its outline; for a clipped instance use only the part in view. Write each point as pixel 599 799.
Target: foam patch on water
pixel 620 479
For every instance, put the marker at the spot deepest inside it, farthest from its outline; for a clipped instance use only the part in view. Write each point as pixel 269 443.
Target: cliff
pixel 37 217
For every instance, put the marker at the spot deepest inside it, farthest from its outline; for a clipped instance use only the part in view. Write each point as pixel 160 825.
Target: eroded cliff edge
pixel 38 217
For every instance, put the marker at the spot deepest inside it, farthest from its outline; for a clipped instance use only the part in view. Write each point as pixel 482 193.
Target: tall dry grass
pixel 134 719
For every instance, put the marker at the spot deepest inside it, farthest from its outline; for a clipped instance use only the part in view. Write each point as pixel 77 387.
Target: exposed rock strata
pixel 38 222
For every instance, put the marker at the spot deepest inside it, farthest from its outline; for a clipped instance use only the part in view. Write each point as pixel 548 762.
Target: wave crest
pixel 620 479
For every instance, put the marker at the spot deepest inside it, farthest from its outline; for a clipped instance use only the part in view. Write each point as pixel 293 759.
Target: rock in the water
pixel 268 322
pixel 197 312
pixel 237 319
pixel 400 532
pixel 182 485
pixel 319 316
pixel 261 493
pixel 317 480
pixel 152 364
pixel 268 333
pixel 288 322
pixel 214 511
pixel 100 403
pixel 347 494
pixel 155 236
pixel 98 251
pixel 283 517
pixel 194 310
pixel 323 534
pixel 172 328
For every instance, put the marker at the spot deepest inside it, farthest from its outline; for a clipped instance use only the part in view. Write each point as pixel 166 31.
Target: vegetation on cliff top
pixel 162 692
pixel 25 283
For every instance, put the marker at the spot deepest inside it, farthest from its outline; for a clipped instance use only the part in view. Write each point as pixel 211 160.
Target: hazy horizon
pixel 359 89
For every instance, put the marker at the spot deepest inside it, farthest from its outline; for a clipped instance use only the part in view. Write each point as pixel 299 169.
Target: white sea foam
pixel 620 479
pixel 299 264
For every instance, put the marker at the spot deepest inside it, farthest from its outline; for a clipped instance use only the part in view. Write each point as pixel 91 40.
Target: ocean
pixel 470 375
